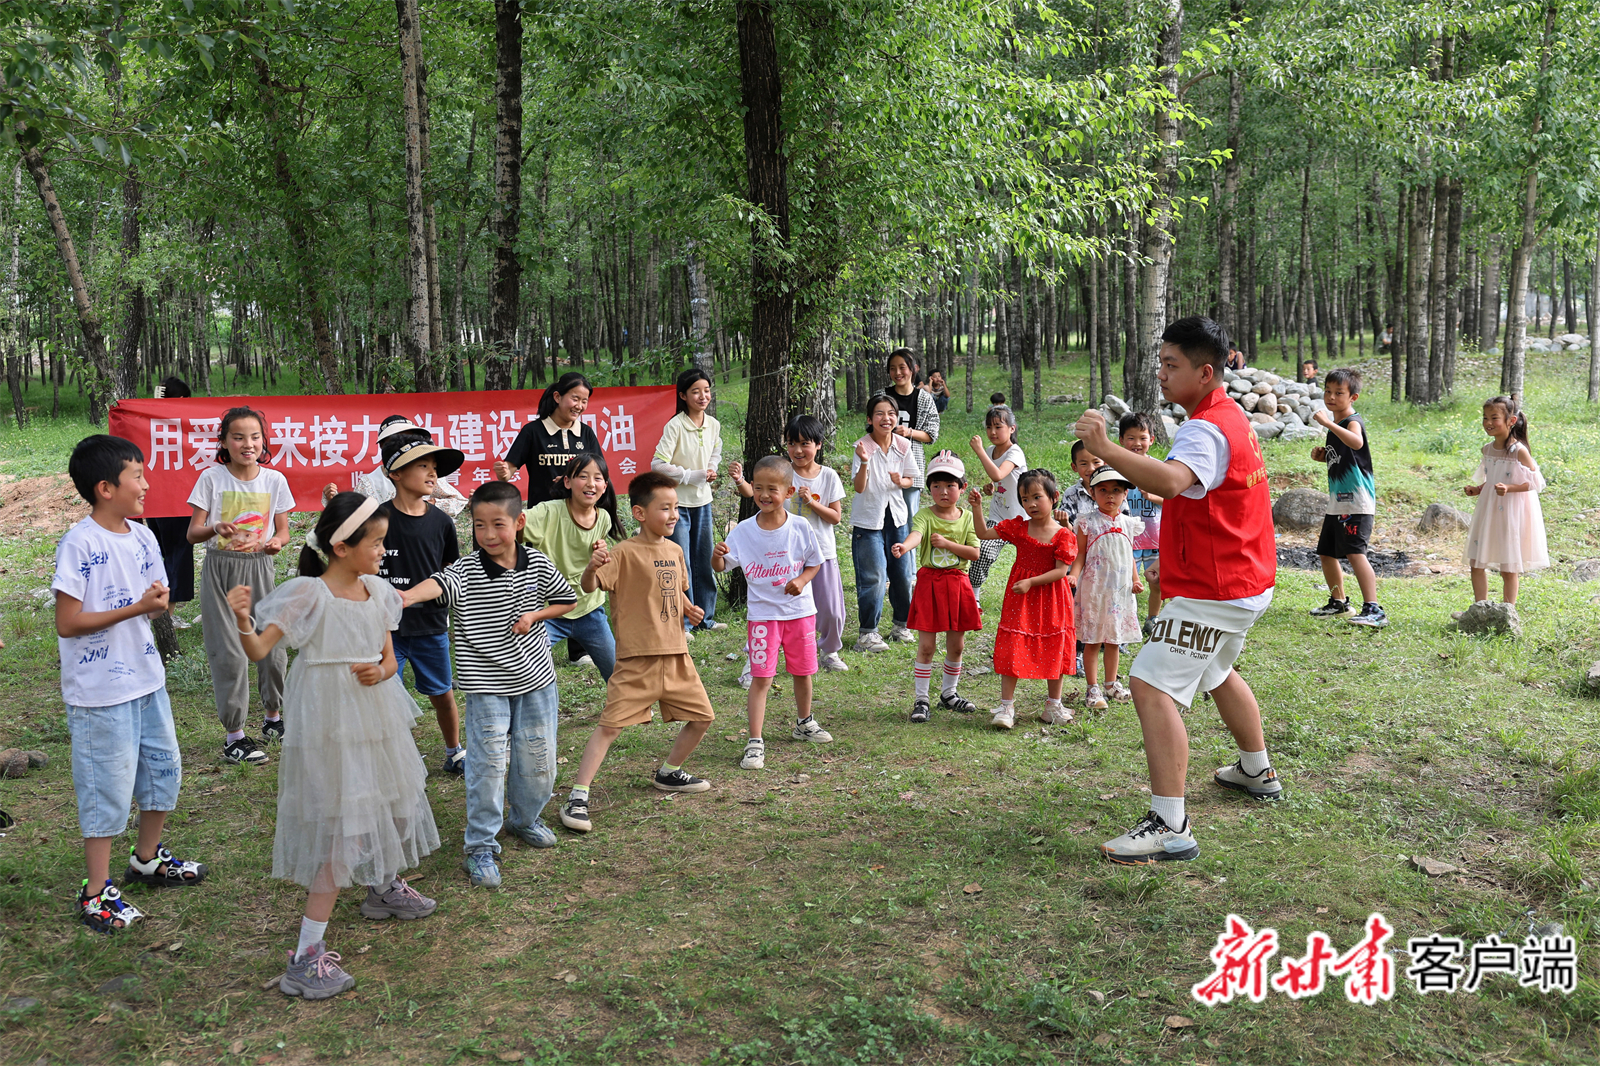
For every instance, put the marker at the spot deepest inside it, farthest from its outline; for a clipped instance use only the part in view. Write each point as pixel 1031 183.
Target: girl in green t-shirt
pixel 566 529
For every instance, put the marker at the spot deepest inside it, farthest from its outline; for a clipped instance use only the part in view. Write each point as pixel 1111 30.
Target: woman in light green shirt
pixel 566 529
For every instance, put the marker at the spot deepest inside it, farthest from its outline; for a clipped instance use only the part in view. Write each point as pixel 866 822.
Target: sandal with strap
pixel 954 701
pixel 106 911
pixel 163 871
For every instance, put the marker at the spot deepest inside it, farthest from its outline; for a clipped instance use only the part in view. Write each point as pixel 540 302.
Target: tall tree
pixel 418 336
pixel 505 271
pixel 1144 392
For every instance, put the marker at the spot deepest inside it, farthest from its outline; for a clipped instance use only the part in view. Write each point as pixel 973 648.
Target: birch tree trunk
pixel 505 270
pixel 1438 289
pixel 134 310
pixel 1489 296
pixel 1516 357
pixel 418 341
pixel 1592 326
pixel 1144 392
pixel 102 390
pixel 1227 227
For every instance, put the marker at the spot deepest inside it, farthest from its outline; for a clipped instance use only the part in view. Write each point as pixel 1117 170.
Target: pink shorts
pixel 797 637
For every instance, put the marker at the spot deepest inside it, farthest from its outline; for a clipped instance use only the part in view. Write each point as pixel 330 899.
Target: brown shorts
pixel 639 681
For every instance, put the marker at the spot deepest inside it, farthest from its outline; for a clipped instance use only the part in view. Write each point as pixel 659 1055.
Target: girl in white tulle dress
pixel 351 805
pixel 1507 530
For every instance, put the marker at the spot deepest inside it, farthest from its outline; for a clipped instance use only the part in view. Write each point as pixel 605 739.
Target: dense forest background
pixel 473 193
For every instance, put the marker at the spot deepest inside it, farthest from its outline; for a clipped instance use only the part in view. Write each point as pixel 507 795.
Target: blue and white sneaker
pixel 481 869
pixel 537 835
pixel 1152 841
pixel 455 761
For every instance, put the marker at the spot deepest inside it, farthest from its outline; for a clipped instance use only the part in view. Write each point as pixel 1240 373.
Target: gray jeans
pixel 230 668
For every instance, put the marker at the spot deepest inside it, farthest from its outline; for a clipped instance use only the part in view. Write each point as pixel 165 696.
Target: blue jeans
pixel 121 753
pixel 511 756
pixel 595 633
pixel 429 656
pixel 694 535
pixel 913 498
pixel 869 551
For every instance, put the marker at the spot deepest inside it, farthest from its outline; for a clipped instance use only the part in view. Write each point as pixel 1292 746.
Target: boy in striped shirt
pixel 499 597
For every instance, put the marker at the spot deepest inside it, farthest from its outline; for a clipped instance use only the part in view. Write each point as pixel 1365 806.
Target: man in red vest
pixel 1218 564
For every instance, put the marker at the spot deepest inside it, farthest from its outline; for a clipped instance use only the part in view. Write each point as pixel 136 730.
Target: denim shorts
pixel 429 656
pixel 123 754
pixel 1145 558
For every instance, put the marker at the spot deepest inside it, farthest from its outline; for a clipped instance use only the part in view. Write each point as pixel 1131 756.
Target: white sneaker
pixel 1003 717
pixel 810 731
pixel 871 642
pixel 755 756
pixel 831 661
pixel 583 660
pixel 902 635
pixel 715 627
pixel 1055 714
pixel 1095 699
pixel 1152 841
pixel 1262 786
pixel 1118 691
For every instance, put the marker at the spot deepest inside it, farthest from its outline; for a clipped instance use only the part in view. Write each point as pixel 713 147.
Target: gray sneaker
pixel 810 730
pixel 1152 841
pixel 902 635
pixel 831 661
pixel 399 900
pixel 317 976
pixel 1262 786
pixel 537 835
pixel 482 870
pixel 870 642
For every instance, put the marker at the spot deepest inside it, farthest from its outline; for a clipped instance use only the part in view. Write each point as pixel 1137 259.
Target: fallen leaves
pixel 565 975
pixel 1178 1021
pixel 973 889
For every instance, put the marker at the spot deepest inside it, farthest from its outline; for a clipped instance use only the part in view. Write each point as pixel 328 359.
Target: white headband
pixel 362 512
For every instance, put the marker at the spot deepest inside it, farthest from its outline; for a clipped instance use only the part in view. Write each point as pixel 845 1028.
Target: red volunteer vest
pixel 1221 546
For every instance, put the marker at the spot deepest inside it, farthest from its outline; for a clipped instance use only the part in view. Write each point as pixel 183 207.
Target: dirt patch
pixel 34 505
pixel 1385 564
pixel 1440 552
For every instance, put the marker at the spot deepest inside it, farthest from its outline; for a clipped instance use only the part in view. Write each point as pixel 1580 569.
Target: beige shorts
pixel 641 681
pixel 1193 646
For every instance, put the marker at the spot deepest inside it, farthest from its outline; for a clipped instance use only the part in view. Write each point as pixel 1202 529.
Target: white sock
pixel 952 677
pixel 1253 762
pixel 1052 702
pixel 1169 809
pixel 1008 705
pixel 310 935
pixel 235 734
pixel 922 673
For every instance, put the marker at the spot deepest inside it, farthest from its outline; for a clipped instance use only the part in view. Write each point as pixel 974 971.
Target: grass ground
pixel 905 894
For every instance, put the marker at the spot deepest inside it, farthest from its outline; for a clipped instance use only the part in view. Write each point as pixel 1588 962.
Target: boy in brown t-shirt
pixel 646 578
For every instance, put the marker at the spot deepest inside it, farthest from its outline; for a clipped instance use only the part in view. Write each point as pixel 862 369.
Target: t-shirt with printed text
pixel 770 559
pixel 646 582
pixel 105 571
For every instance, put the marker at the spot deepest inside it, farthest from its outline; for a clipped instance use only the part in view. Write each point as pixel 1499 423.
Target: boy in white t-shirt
pixel 779 555
pixel 819 499
pixel 109 582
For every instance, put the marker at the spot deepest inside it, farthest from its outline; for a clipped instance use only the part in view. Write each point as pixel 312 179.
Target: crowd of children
pixel 383 582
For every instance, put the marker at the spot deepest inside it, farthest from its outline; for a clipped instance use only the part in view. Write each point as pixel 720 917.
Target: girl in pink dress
pixel 1507 530
pixel 1035 638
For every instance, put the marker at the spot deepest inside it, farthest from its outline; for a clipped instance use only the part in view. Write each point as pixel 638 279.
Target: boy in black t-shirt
pixel 422 541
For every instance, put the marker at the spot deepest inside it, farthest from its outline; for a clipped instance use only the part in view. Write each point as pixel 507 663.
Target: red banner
pixel 318 439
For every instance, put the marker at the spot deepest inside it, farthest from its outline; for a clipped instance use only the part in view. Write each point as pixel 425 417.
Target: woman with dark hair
pixel 919 416
pixel 554 438
pixel 172 534
pixel 690 451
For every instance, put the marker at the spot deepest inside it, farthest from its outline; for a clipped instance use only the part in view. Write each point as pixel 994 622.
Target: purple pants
pixel 827 588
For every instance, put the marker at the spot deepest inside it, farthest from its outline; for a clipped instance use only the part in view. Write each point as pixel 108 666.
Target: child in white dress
pixel 351 806
pixel 1108 614
pixel 1507 530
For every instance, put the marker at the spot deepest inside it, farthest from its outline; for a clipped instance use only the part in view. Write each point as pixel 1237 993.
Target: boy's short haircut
pixel 1072 457
pixel 500 493
pixel 1135 420
pixel 997 399
pixel 98 458
pixel 1350 379
pixel 775 463
pixel 805 428
pixel 1201 340
pixel 643 487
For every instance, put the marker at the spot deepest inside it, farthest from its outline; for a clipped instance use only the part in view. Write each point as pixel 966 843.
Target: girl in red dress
pixel 1035 638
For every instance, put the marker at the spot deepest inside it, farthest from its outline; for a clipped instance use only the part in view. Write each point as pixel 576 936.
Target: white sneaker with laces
pixel 1152 841
pixel 1055 714
pixel 902 635
pixel 871 642
pixel 1262 786
pixel 831 661
pixel 1003 717
pixel 755 755
pixel 811 732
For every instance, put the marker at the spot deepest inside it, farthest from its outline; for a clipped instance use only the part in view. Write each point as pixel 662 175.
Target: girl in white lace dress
pixel 1507 530
pixel 1108 614
pixel 351 806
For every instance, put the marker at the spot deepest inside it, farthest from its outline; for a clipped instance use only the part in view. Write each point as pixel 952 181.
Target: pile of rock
pixel 1280 409
pixel 1567 342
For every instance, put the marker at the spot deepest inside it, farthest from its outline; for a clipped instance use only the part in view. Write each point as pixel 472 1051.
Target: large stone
pixel 1593 680
pixel 1268 430
pixel 1280 390
pixel 1300 509
pixel 1432 867
pixel 1303 412
pixel 1249 401
pixel 1573 338
pixel 1586 570
pixel 1060 399
pixel 1290 420
pixel 1268 404
pixel 1261 388
pixel 1442 518
pixel 13 762
pixel 1488 617
pixel 1116 404
pixel 1303 433
pixel 1260 419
